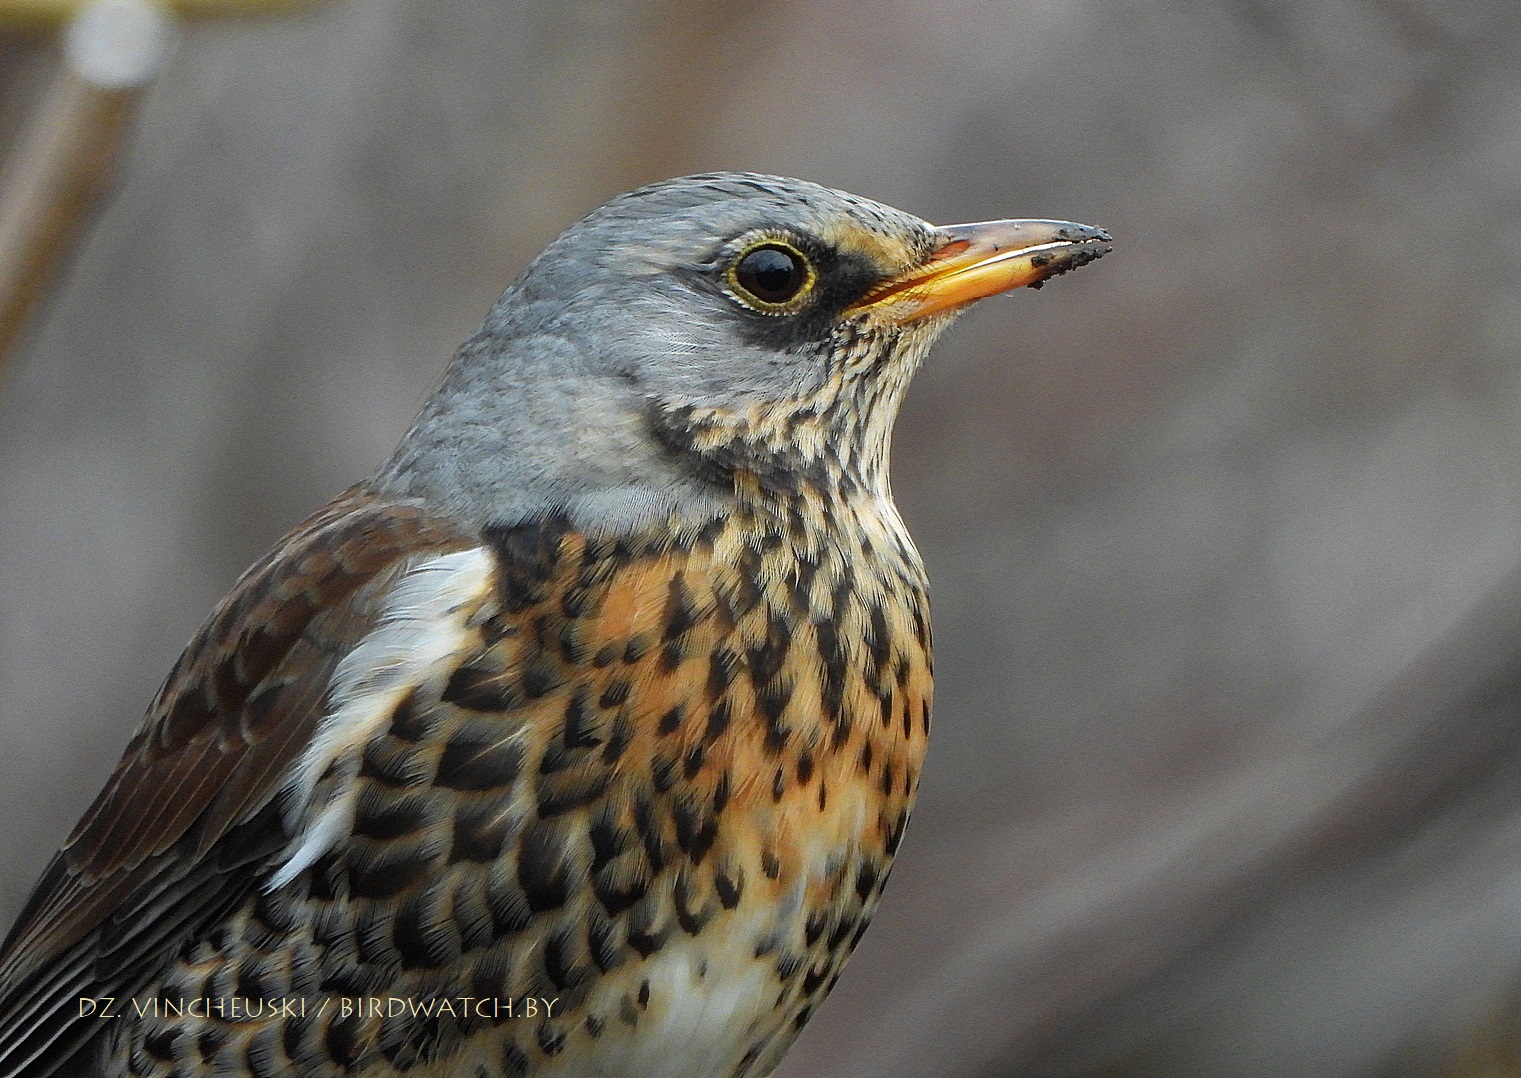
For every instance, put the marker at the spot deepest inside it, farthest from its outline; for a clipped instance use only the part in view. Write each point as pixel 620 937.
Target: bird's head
pixel 730 330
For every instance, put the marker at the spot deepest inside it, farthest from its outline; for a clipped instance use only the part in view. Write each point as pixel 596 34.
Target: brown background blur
pixel 1193 807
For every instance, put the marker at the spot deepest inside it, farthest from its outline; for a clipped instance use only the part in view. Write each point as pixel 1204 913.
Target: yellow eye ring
pixel 772 276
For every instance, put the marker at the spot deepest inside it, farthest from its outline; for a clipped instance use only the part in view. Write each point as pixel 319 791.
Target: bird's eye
pixel 771 276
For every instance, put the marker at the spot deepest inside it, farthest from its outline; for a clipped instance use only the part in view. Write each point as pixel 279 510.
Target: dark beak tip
pixel 1088 249
pixel 1088 252
pixel 1089 234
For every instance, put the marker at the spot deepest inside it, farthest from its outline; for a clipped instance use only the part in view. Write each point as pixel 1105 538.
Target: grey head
pixel 703 339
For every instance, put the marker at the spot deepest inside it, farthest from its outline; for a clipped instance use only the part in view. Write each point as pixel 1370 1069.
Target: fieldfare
pixel 579 740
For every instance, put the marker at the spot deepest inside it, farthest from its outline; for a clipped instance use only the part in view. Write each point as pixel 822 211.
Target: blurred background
pixel 1226 778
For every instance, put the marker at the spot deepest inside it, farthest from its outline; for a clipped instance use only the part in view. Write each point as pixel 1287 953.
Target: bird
pixel 577 741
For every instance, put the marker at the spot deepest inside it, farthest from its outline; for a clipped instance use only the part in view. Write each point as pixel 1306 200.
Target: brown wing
pixel 192 798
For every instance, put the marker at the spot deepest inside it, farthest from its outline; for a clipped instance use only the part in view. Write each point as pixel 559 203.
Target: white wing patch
pixel 424 625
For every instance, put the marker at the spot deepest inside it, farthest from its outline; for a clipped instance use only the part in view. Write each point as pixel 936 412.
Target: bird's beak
pixel 975 261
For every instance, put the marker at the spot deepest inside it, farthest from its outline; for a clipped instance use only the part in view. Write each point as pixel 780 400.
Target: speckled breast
pixel 659 798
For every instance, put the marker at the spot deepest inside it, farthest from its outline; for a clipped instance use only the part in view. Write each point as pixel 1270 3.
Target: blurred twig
pixel 64 161
pixel 57 173
pixel 45 12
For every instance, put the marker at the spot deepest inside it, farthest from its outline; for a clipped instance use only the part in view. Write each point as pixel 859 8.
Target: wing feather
pixel 193 798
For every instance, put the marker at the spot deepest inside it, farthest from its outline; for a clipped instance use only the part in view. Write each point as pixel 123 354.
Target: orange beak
pixel 980 260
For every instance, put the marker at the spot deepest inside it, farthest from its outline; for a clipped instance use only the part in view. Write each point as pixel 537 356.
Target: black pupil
pixel 771 274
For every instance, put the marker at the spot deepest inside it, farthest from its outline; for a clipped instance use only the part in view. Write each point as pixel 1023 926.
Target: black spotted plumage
pixel 603 703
